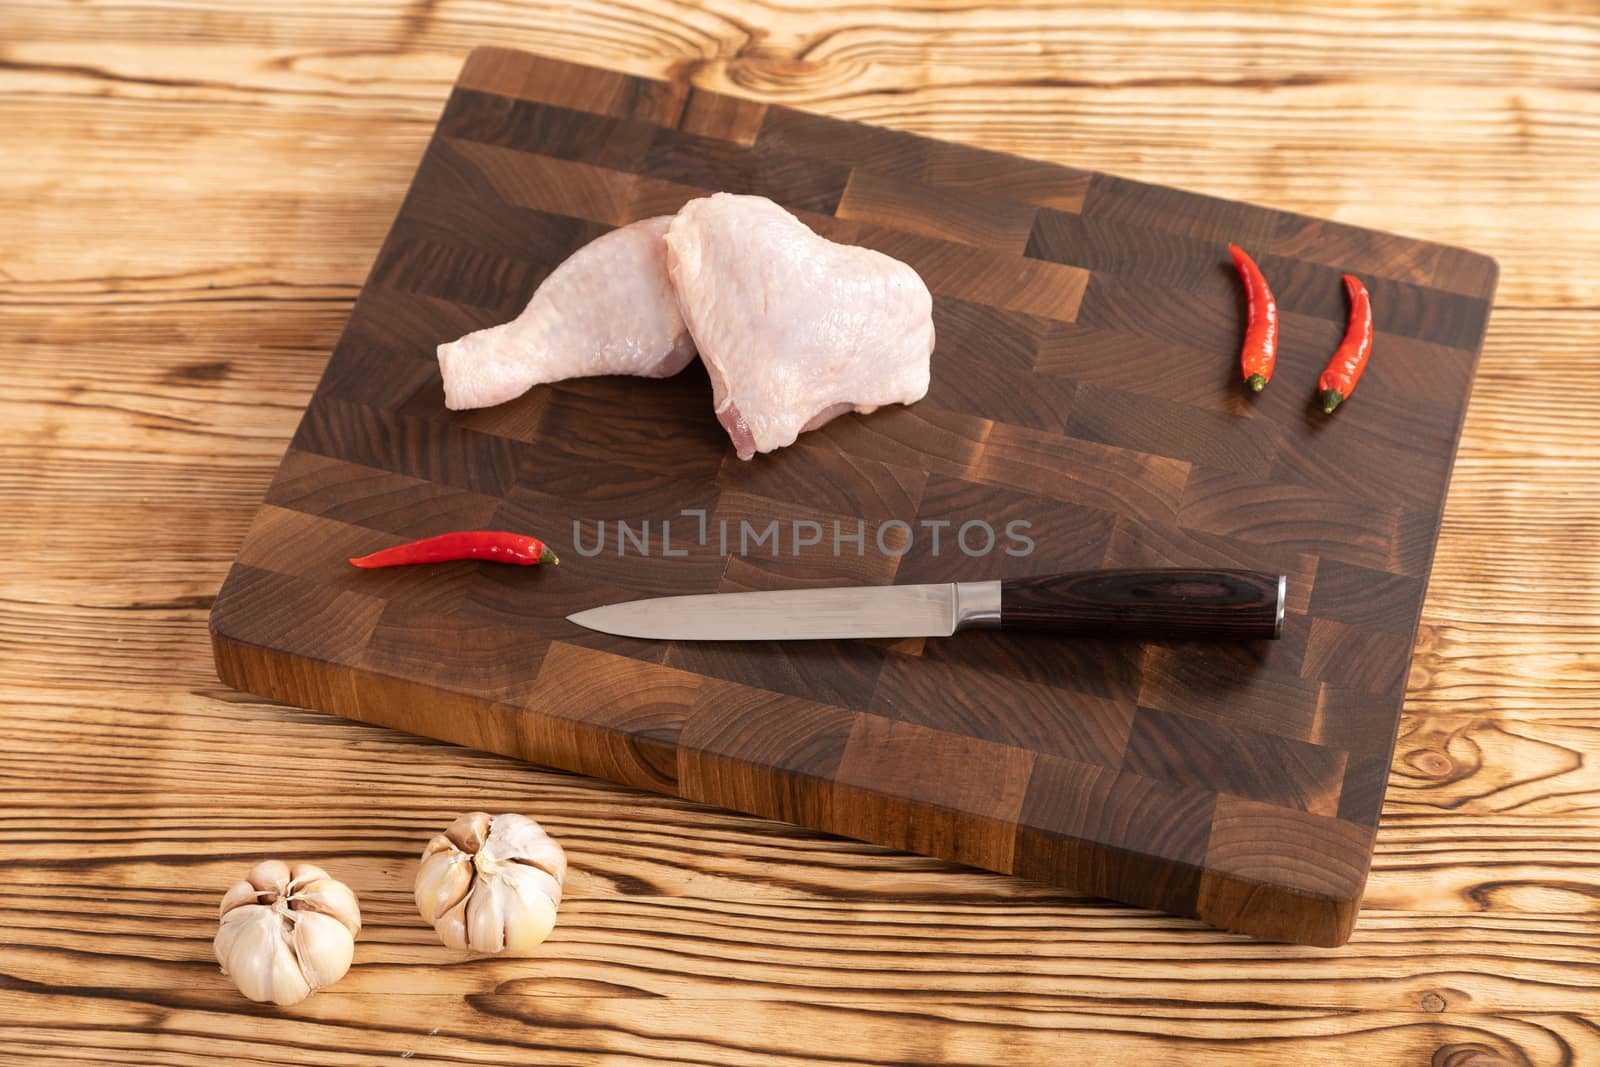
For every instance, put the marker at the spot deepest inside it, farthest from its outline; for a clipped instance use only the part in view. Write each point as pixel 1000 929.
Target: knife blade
pixel 1143 604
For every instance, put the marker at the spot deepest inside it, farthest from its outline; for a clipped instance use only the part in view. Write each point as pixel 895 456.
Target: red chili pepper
pixel 1339 378
pixel 495 546
pixel 1260 352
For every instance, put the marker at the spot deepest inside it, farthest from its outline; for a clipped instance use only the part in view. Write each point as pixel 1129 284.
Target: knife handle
pixel 1148 605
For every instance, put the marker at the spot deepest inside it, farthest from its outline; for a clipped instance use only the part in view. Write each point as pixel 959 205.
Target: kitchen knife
pixel 1136 604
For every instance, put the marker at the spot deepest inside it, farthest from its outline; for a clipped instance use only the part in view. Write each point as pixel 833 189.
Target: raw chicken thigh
pixel 609 309
pixel 793 328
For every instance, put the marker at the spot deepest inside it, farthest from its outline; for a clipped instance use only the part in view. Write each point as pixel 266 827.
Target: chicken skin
pixel 609 309
pixel 793 328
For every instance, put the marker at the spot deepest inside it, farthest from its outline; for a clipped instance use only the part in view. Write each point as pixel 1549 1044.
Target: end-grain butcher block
pixel 1084 391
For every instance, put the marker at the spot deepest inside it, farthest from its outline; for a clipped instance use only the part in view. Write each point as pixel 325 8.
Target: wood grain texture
pixel 192 202
pixel 480 656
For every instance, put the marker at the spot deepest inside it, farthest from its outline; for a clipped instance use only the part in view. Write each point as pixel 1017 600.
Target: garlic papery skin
pixel 287 931
pixel 492 883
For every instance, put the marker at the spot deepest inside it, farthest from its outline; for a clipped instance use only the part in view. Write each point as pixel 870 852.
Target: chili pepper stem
pixel 1256 383
pixel 1331 399
pixel 549 557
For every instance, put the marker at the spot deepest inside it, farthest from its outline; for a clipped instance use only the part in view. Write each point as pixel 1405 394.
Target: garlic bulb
pixel 287 932
pixel 492 883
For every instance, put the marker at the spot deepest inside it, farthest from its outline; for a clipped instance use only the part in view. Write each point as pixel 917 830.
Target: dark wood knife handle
pixel 1148 605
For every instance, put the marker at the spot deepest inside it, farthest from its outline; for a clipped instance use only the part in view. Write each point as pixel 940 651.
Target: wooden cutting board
pixel 1084 383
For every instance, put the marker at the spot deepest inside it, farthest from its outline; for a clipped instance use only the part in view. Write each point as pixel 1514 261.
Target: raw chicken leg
pixel 793 328
pixel 609 309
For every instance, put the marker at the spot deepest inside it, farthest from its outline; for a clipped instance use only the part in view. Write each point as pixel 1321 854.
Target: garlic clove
pixel 323 948
pixel 513 836
pixel 443 881
pixel 469 832
pixel 320 894
pixel 525 879
pixel 239 895
pixel 228 935
pixel 306 872
pixel 254 952
pixel 451 926
pixel 437 844
pixel 486 924
pixel 271 877
pixel 548 856
pixel 289 982
pixel 528 898
pixel 555 875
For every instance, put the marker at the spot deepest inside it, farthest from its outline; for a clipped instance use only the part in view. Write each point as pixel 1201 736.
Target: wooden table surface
pixel 190 195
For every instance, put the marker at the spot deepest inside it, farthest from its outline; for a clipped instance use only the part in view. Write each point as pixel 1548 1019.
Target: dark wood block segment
pixel 620 144
pixel 921 436
pixel 800 183
pixel 305 619
pixel 830 480
pixel 1060 536
pixel 1367 597
pixel 954 268
pixel 508 73
pixel 1371 660
pixel 833 672
pixel 431 449
pixel 1365 780
pixel 1235 686
pixel 608 715
pixel 1322 521
pixel 1122 303
pixel 559 187
pixel 1135 363
pixel 943 794
pixel 757 752
pixel 387 331
pixel 1198 751
pixel 369 373
pixel 654 432
pixel 503 663
pixel 375 498
pixel 1114 834
pixel 972 218
pixel 459 275
pixel 976 339
pixel 897 154
pixel 1108 669
pixel 1085 385
pixel 1081 472
pixel 1017 398
pixel 1112 247
pixel 1181 212
pixel 530 604
pixel 1039 718
pixel 1168 428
